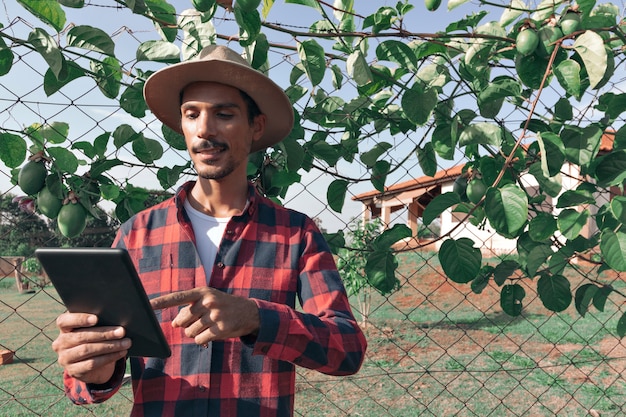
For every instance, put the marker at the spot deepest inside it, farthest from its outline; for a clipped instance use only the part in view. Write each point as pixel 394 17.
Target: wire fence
pixel 435 347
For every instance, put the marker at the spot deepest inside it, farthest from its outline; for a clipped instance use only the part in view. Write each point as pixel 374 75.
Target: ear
pixel 258 127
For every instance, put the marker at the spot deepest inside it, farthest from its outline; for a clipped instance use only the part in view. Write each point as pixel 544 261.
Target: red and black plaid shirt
pixel 270 254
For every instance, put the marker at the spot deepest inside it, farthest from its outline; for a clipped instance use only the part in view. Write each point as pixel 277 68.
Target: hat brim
pixel 162 94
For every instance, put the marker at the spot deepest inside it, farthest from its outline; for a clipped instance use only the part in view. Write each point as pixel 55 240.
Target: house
pixel 412 196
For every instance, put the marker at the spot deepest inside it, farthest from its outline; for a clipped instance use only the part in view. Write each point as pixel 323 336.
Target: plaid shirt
pixel 270 254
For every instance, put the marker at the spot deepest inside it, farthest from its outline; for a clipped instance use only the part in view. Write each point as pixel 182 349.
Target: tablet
pixel 104 282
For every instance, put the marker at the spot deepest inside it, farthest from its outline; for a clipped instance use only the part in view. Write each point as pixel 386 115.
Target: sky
pixel 93 110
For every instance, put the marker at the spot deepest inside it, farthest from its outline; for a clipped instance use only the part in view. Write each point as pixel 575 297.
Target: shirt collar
pixel 183 192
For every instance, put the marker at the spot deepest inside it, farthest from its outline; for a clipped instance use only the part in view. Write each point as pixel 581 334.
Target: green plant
pixel 359 76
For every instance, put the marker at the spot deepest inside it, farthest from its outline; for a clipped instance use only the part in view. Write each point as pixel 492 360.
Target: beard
pixel 209 171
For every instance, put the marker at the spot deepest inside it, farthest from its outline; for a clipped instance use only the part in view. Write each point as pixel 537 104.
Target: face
pixel 218 134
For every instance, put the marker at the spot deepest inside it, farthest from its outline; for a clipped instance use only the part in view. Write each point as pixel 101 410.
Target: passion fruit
pixel 476 190
pixel 72 219
pixel 548 35
pixel 526 41
pixel 432 5
pixel 570 23
pixel 48 204
pixel 32 177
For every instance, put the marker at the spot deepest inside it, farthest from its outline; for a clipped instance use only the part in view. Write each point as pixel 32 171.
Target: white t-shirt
pixel 209 231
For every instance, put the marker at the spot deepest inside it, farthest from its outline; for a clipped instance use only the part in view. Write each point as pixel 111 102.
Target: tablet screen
pixel 103 281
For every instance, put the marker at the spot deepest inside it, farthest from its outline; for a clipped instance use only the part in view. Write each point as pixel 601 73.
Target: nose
pixel 205 126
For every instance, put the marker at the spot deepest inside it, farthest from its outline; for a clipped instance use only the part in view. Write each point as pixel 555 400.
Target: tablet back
pixel 103 281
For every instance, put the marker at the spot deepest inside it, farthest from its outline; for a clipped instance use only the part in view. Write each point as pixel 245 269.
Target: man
pixel 222 265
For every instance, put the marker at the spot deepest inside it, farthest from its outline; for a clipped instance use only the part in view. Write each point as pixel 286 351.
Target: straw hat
pixel 220 64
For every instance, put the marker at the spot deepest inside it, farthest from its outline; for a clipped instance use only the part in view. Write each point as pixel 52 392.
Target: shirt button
pixel 202 388
pixel 220 265
pixel 230 232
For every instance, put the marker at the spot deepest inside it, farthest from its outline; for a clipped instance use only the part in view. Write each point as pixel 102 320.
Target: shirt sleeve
pixel 82 393
pixel 323 336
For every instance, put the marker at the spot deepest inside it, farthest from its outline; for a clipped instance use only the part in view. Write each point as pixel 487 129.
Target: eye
pixel 190 114
pixel 224 115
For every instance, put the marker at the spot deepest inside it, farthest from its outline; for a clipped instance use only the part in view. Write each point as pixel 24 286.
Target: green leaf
pixel 12 150
pixel 108 76
pixel 621 326
pixel 168 177
pixel 48 49
pixel 380 270
pixel 56 132
pixel 552 153
pixel 481 133
pixel 76 4
pixel 610 169
pixel 52 84
pixel 601 296
pixel 613 249
pixel 584 296
pixel 554 292
pixel 397 52
pixel 101 166
pixel 568 75
pixel 418 103
pixel 158 51
pixel 536 258
pixel 581 144
pixel 379 175
pixel 618 208
pixel 358 69
pixel 6 58
pixel 427 159
pixel 507 209
pixel 132 100
pixel 249 22
pixel 571 222
pixel 124 134
pixel 91 38
pixel 147 150
pixel 310 3
pixel 590 47
pixel 510 14
pixel 511 297
pixel 336 194
pixel 504 270
pixel 64 159
pixel 370 157
pixel 390 236
pixel 438 205
pixel 460 260
pixel 313 60
pixel 531 70
pixel 164 18
pixel 48 11
pixel 542 226
pixel 173 138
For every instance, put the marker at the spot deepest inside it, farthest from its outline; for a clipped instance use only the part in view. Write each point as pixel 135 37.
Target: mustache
pixel 206 145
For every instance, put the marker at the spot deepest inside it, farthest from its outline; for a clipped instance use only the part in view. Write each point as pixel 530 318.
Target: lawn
pixel 434 349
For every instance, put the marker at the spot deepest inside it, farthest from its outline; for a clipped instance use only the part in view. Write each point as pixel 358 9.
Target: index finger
pixel 178 298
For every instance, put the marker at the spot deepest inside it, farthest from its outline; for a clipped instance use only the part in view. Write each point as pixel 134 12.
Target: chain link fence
pixel 435 348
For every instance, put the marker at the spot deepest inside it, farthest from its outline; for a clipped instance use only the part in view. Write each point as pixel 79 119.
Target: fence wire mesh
pixel 435 347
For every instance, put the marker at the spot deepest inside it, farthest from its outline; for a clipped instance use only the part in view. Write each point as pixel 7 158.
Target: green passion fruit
pixel 460 187
pixel 48 204
pixel 570 23
pixel 72 219
pixel 548 35
pixel 432 5
pixel 527 41
pixel 476 189
pixel 32 177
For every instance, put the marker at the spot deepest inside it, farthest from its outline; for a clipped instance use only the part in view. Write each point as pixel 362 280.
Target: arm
pixel 325 336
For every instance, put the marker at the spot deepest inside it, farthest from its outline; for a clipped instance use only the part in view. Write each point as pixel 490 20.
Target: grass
pixel 434 349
